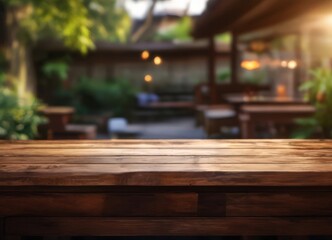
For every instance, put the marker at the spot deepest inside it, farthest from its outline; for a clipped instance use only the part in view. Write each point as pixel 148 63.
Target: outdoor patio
pixel 166 119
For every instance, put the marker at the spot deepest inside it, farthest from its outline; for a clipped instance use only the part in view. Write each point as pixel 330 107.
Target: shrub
pixel 94 96
pixel 19 118
pixel 318 91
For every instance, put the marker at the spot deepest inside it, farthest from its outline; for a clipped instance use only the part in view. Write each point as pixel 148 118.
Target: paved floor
pixel 180 128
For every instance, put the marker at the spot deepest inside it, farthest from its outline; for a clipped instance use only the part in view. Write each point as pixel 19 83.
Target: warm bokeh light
pixel 328 20
pixel 281 90
pixel 250 65
pixel 148 78
pixel 157 60
pixel 145 55
pixel 284 64
pixel 292 64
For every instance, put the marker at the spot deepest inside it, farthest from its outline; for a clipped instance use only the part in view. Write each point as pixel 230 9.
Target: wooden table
pixel 165 188
pixel 252 115
pixel 58 117
pixel 257 99
pixel 172 105
pixel 239 100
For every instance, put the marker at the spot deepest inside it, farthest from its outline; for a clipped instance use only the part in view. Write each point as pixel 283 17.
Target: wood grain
pixel 279 204
pixel 182 144
pixel 166 187
pixel 168 227
pixel 167 160
pixel 99 204
pixel 166 174
pixel 2 230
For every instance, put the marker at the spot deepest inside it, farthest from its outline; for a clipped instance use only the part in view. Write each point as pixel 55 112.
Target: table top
pixel 166 163
pixel 57 110
pixel 243 99
pixel 179 104
pixel 278 109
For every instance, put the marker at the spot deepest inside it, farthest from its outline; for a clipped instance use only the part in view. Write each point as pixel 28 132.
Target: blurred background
pixel 165 69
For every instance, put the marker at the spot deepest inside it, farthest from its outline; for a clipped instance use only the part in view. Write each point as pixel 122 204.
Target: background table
pixel 170 188
pixel 252 115
pixel 238 100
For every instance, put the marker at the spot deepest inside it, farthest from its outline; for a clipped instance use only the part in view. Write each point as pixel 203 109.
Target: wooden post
pixel 212 70
pixel 298 57
pixel 234 59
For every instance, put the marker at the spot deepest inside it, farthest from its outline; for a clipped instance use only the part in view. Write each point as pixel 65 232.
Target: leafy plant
pixel 94 96
pixel 255 77
pixel 56 69
pixel 19 118
pixel 180 31
pixel 318 91
pixel 224 75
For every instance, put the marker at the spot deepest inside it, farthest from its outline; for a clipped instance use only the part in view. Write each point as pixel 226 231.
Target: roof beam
pixel 219 15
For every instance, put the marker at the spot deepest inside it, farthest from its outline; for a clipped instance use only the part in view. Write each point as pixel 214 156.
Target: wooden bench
pixel 165 188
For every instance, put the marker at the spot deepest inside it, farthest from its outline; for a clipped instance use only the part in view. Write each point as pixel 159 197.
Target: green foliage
pixel 224 75
pixel 180 31
pixel 307 127
pixel 56 69
pixel 318 91
pixel 76 22
pixel 224 38
pixel 94 96
pixel 19 118
pixel 108 22
pixel 255 77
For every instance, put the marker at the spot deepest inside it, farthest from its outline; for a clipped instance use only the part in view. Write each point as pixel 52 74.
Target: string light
pixel 148 78
pixel 292 64
pixel 157 60
pixel 250 65
pixel 284 64
pixel 145 55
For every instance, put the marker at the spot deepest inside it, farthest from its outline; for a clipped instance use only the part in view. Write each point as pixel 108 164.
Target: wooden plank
pixel 90 169
pixel 2 228
pixel 182 144
pixel 98 204
pixel 279 204
pixel 168 226
pixel 168 160
pixel 166 175
pixel 92 152
pixel 212 204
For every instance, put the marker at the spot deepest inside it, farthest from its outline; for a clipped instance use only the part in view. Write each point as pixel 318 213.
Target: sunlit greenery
pixel 179 31
pixel 224 38
pixel 19 118
pixel 76 22
pixel 318 90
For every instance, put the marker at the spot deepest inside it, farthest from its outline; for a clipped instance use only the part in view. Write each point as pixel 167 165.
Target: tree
pixel 76 23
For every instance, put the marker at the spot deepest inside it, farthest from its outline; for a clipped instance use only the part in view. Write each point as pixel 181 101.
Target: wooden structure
pixel 241 17
pixel 165 188
pixel 59 127
pixel 257 19
pixel 252 115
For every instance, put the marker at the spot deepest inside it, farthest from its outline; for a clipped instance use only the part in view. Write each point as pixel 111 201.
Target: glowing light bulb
pixel 148 78
pixel 284 64
pixel 250 65
pixel 292 64
pixel 157 60
pixel 145 55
